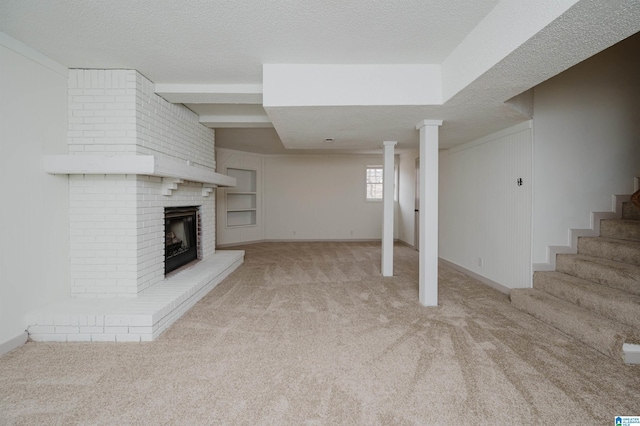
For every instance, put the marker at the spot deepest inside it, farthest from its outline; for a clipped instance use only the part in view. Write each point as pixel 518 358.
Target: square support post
pixel 388 208
pixel 428 263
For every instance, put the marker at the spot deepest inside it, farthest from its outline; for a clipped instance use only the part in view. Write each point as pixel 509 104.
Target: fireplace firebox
pixel 181 237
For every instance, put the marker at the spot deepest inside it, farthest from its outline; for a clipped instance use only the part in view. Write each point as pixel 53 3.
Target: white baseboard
pixel 13 343
pixel 404 243
pixel 353 240
pixel 484 280
pixel 631 353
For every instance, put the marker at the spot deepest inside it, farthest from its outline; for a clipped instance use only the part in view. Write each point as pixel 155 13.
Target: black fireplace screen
pixel 181 237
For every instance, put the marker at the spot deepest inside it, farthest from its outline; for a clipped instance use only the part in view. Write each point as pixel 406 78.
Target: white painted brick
pixel 101 98
pixel 91 77
pixel 115 92
pixel 127 337
pixel 44 337
pixel 103 337
pixel 94 92
pixel 115 104
pixel 78 337
pixel 96 107
pixel 140 321
pixel 77 110
pixel 81 99
pixel 116 330
pixel 67 330
pixel 79 75
pixel 60 320
pixel 91 329
pixel 41 329
pixel 87 283
pixel 141 330
pixel 117 320
pixel 40 319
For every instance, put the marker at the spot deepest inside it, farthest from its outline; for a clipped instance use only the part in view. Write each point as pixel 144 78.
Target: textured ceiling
pixel 209 54
pixel 216 41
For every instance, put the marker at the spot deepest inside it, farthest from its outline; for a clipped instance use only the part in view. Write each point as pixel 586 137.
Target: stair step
pixel 622 229
pixel 618 275
pixel 600 333
pixel 606 301
pixel 612 249
pixel 630 211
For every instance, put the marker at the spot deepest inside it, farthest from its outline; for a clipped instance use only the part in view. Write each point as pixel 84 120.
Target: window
pixel 374 183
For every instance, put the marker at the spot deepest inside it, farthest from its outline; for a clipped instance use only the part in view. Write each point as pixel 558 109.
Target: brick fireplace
pixel 131 156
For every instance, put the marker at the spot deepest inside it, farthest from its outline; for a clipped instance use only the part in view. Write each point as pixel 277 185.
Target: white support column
pixel 387 213
pixel 428 267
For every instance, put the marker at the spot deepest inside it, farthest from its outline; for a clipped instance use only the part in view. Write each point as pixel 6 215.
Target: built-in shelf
pixel 241 205
pixel 241 218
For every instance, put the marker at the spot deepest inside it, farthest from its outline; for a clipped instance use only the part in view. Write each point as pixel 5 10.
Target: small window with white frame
pixel 374 183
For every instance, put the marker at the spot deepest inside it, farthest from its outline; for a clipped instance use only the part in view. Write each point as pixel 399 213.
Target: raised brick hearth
pixel 142 318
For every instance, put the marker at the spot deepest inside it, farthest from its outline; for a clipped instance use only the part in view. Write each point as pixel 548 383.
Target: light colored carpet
pixel 310 333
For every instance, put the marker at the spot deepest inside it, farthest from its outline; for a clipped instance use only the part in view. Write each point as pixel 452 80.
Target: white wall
pixel 34 254
pixel 320 197
pixel 586 142
pixel 305 197
pixel 351 84
pixel 226 159
pixel 484 216
pixel 407 193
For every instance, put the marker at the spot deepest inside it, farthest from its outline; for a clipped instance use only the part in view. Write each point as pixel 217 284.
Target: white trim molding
pixel 484 280
pixel 574 234
pixel 13 343
pixel 28 52
pixel 631 353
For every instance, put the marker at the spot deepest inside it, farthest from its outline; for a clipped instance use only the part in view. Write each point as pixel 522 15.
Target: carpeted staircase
pixel 594 295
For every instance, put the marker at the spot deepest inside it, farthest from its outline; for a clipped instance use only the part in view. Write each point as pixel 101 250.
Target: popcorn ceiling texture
pixel 490 51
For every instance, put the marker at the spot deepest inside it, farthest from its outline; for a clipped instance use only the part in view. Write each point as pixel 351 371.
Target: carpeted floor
pixel 310 333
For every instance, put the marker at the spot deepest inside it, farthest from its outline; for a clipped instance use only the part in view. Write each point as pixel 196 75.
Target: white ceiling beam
pixel 236 121
pixel 287 85
pixel 505 29
pixel 211 93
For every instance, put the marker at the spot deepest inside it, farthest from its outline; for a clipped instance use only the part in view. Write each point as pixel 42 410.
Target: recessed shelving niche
pixel 241 200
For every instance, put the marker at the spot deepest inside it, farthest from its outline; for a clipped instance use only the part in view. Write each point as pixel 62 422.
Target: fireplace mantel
pixel 150 165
